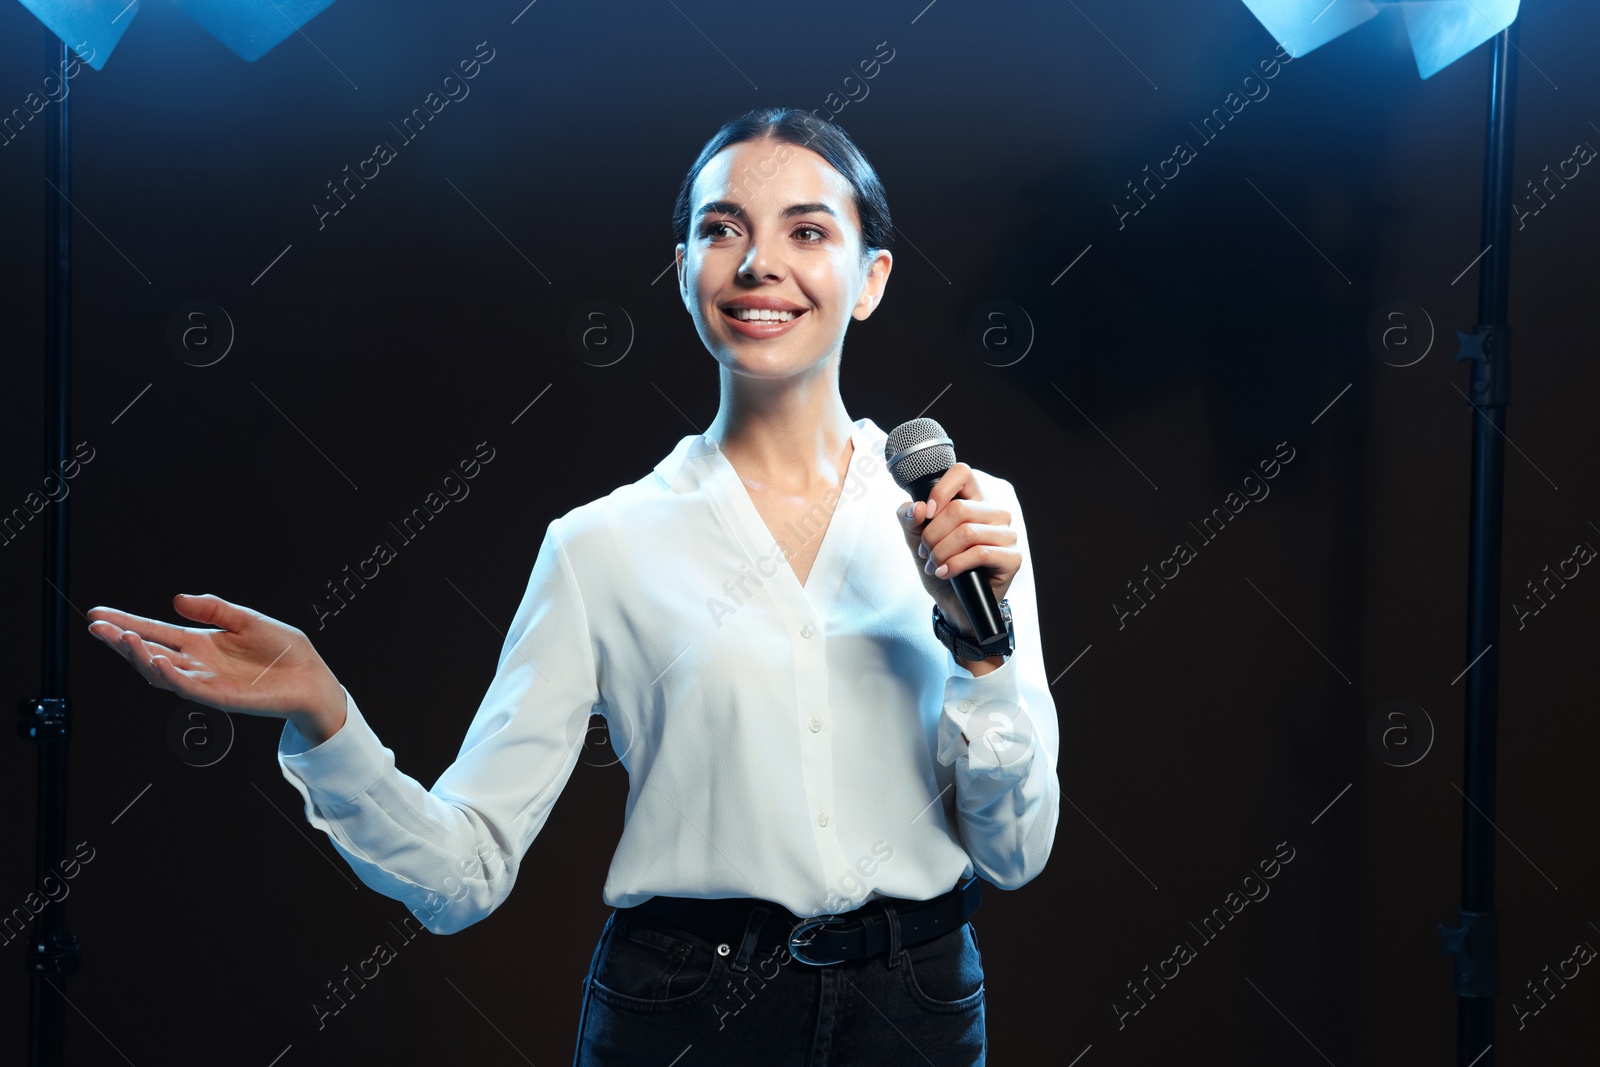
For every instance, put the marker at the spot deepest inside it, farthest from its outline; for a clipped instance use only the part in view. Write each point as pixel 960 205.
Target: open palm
pixel 247 662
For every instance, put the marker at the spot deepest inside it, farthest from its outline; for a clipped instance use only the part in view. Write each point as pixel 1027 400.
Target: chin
pixel 772 365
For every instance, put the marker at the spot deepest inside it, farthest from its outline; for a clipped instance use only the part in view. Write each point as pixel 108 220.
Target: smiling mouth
pixel 761 315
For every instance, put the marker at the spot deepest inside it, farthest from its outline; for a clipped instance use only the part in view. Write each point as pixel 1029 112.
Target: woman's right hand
pixel 251 663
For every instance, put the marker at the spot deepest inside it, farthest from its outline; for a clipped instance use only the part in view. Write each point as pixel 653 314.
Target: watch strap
pixel 965 647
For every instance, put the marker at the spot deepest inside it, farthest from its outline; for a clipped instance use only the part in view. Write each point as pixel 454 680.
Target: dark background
pixel 1171 358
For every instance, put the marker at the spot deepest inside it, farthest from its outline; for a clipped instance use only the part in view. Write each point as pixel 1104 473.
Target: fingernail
pixel 940 573
pixel 933 505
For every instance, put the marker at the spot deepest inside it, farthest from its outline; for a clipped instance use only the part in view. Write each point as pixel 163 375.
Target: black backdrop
pixel 376 348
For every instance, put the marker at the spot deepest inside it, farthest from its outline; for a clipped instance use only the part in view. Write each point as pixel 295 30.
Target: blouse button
pixel 822 818
pixel 808 631
pixel 815 724
pixel 966 705
pixel 723 949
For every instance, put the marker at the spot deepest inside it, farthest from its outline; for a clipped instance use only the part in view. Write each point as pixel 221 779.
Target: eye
pixel 711 230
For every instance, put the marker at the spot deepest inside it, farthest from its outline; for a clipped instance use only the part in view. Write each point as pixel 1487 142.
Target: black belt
pixel 821 939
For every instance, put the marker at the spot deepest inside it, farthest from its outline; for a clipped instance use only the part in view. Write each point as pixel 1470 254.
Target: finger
pixel 913 516
pixel 213 610
pixel 156 648
pixel 970 534
pixel 185 683
pixel 969 510
pixel 110 635
pixel 960 480
pixel 107 632
pixel 961 562
pixel 114 639
pixel 134 647
pixel 155 629
pixel 1001 564
pixel 965 538
pixel 918 513
pixel 966 533
pixel 960 512
pixel 959 483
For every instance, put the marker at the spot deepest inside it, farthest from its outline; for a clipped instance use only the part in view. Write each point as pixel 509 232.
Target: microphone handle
pixel 972 587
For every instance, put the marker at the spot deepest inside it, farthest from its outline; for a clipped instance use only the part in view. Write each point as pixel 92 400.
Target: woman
pixel 796 736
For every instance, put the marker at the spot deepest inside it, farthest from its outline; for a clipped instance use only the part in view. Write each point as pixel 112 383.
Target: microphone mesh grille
pixel 933 459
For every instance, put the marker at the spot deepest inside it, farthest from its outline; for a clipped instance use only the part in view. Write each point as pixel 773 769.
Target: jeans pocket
pixel 944 974
pixel 649 970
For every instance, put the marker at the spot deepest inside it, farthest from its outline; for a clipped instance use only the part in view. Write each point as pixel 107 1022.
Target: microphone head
pixel 917 449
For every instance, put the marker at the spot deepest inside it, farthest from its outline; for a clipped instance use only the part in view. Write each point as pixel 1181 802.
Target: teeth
pixel 761 315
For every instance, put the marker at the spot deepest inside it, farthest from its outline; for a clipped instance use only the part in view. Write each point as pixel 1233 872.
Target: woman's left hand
pixel 964 532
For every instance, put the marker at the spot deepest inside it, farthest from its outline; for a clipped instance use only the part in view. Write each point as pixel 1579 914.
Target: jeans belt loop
pixel 752 931
pixel 893 920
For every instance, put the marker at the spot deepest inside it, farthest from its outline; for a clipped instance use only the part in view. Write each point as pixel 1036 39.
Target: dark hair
pixel 789 125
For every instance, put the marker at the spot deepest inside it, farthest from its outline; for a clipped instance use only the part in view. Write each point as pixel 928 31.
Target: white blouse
pixel 800 744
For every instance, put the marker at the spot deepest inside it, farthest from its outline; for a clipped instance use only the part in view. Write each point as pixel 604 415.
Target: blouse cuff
pixel 342 767
pixel 988 709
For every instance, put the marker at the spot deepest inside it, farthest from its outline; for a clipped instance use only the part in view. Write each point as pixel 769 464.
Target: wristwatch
pixel 967 648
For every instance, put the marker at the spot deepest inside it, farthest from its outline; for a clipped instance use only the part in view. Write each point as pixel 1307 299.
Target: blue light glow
pixel 1441 31
pixel 1445 30
pixel 250 28
pixel 90 28
pixel 1301 25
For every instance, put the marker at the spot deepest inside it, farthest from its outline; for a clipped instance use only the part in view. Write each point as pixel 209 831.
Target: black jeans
pixel 660 996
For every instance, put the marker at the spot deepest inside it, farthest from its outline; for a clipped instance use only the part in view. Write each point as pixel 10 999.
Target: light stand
pixel 250 28
pixel 1442 31
pixel 53 952
pixel 1474 940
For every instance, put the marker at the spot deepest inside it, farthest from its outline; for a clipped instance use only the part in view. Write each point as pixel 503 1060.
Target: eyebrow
pixel 729 207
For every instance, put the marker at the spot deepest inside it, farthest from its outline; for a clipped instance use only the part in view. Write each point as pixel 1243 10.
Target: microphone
pixel 919 452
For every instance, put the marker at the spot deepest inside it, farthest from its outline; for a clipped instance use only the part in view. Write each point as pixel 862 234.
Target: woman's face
pixel 775 226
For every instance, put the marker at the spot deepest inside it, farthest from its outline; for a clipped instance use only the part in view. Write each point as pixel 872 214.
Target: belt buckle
pixel 798 940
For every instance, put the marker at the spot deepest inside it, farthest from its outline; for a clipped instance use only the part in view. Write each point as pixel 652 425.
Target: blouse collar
pixel 682 476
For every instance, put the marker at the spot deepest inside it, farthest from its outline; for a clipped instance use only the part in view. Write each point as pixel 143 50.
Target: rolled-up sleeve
pixel 1007 799
pixel 451 854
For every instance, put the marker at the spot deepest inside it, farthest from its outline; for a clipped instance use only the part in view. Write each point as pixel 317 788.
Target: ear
pixel 681 267
pixel 877 278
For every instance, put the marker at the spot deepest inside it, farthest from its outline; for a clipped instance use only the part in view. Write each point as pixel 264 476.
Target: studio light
pixel 250 28
pixel 1441 31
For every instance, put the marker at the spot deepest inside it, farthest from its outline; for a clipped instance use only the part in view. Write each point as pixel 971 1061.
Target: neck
pixel 783 434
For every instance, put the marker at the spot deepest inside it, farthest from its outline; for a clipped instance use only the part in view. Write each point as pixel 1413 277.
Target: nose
pixel 756 263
